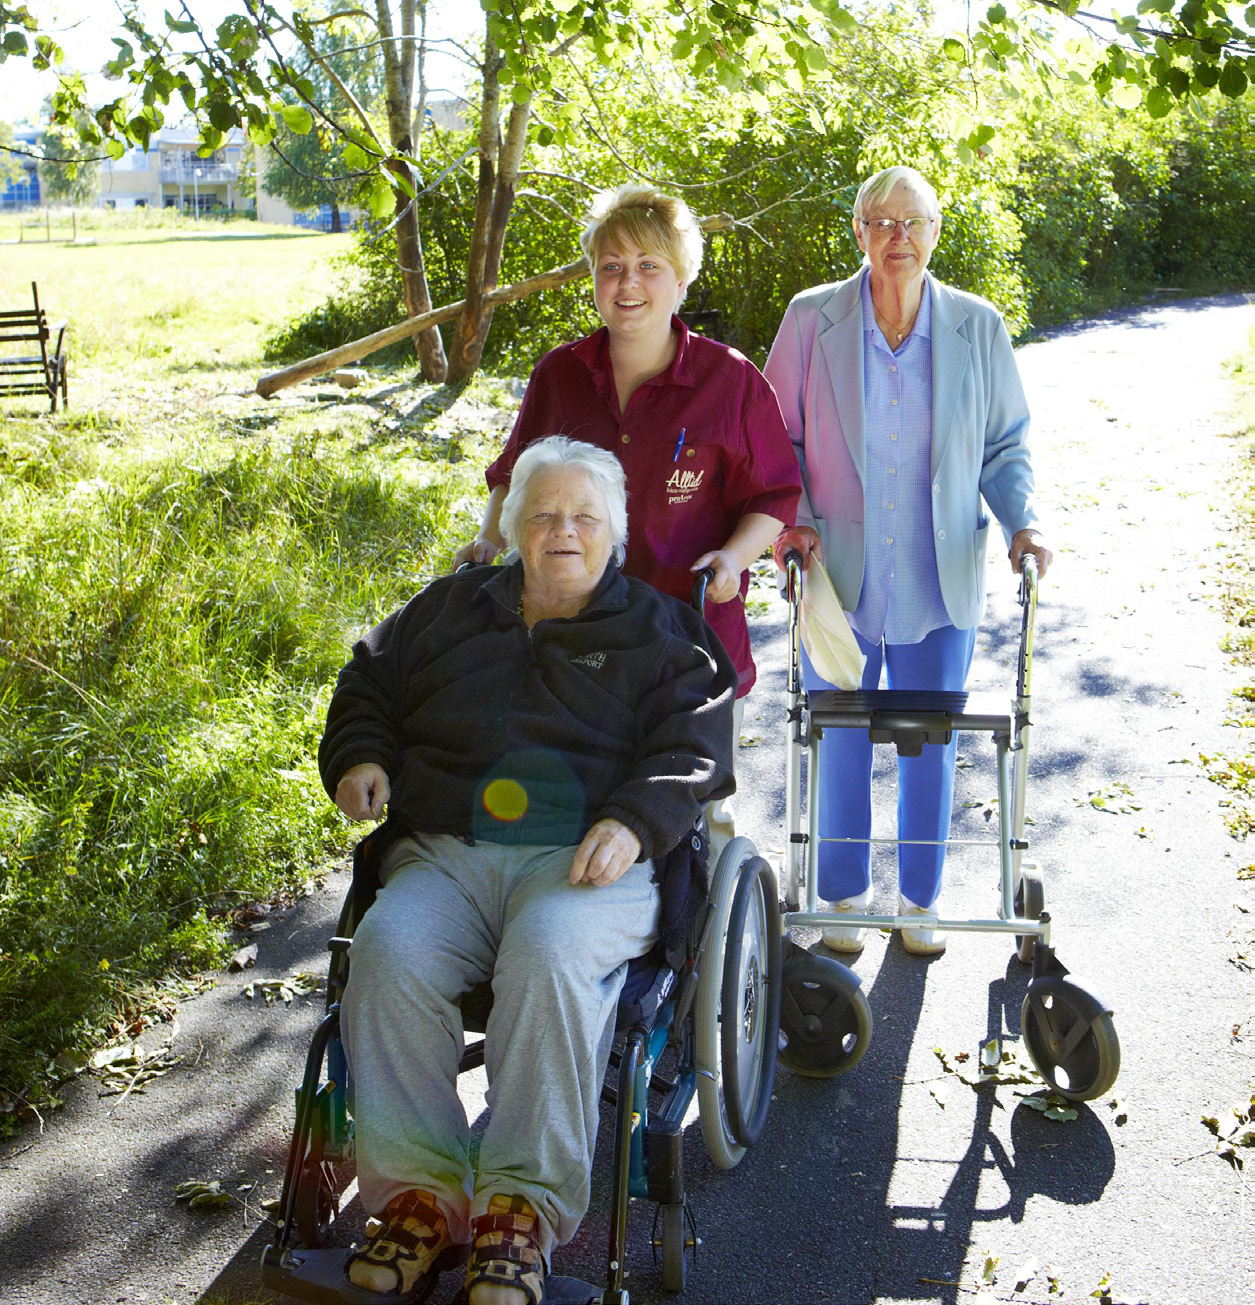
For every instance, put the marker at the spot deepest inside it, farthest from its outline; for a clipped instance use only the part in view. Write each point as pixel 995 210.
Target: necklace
pixel 893 331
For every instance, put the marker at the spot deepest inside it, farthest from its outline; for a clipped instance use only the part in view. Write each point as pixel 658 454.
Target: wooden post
pixel 356 349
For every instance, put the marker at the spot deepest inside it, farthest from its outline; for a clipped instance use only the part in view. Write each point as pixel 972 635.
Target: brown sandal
pixel 413 1244
pixel 505 1250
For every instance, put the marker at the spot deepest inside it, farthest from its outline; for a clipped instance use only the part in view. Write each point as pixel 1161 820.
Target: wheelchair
pixel 1067 1031
pixel 713 1005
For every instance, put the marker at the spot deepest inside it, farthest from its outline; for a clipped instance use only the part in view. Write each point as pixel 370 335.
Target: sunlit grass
pixel 182 572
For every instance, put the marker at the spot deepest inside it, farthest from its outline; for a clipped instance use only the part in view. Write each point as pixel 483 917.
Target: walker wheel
pixel 1071 1038
pixel 1030 902
pixel 675 1233
pixel 316 1205
pixel 825 1019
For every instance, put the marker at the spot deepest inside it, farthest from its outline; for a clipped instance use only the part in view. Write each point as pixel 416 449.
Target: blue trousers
pixel 941 660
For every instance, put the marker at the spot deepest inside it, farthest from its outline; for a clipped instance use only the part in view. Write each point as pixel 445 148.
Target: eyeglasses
pixel 913 226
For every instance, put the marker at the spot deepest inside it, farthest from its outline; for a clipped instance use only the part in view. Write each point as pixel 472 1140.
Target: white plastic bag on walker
pixel 826 633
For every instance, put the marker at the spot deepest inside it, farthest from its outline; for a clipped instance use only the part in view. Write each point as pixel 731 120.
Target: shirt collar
pixel 594 352
pixel 505 587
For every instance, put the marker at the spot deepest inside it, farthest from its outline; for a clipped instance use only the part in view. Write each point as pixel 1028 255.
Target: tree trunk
pixel 336 225
pixel 399 66
pixel 467 345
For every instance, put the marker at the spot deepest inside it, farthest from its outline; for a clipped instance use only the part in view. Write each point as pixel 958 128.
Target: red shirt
pixel 686 497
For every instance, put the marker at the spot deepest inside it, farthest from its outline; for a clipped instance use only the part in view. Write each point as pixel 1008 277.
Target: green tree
pixel 69 171
pixel 305 168
pixel 245 74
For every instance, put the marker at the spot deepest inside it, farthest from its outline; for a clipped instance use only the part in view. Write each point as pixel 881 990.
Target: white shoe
pixel 847 938
pixel 920 942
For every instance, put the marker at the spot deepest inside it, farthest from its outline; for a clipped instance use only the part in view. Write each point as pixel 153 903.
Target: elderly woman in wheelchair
pixel 542 734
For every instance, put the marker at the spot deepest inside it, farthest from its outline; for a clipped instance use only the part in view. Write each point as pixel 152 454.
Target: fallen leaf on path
pixel 300 984
pixel 201 1194
pixel 244 958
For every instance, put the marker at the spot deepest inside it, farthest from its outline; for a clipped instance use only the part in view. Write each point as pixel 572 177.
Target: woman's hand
pixel 1025 541
pixel 363 791
pixel 608 849
pixel 725 584
pixel 802 538
pixel 479 550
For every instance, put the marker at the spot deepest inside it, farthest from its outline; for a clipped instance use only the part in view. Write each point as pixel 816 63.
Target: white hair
pixel 603 469
pixel 875 190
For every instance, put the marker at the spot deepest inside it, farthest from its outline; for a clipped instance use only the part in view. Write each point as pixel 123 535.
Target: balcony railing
pixel 204 174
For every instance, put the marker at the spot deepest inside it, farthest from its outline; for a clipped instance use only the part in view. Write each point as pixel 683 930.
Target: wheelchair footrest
pixel 315 1275
pixel 319 1276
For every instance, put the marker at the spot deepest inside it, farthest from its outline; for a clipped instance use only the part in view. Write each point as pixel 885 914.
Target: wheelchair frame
pixel 1068 1032
pixel 720 1013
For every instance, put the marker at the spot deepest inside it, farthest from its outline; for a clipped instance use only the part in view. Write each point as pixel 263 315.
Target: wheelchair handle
pixel 700 581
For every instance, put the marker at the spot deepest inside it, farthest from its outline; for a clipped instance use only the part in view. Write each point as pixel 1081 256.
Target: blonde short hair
pixel 659 224
pixel 875 190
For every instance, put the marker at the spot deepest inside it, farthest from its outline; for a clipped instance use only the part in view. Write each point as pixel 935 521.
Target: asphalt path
pixel 897 1182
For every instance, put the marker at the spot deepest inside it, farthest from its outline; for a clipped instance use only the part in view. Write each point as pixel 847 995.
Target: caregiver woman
pixel 905 408
pixel 711 476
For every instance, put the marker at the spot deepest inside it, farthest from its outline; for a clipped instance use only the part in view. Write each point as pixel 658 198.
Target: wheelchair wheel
pixel 1071 1038
pixel 825 1019
pixel 749 1004
pixel 734 1041
pixel 316 1205
pixel 1030 902
pixel 675 1234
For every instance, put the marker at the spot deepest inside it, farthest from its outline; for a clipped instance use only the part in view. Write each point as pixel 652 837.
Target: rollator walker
pixel 825 1019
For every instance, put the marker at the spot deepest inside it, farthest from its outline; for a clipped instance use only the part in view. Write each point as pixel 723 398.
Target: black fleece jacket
pixel 490 730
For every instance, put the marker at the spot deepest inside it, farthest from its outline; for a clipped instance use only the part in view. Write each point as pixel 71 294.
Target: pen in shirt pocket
pixel 679 444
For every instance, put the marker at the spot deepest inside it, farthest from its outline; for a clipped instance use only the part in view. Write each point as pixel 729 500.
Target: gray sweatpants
pixel 450 916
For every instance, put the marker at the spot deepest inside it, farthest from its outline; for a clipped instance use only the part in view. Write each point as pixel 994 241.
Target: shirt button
pixel 893 403
pixel 627 439
pixel 889 506
pixel 941 534
pixel 893 437
pixel 893 471
pixel 688 453
pixel 936 489
pixel 893 369
pixel 888 539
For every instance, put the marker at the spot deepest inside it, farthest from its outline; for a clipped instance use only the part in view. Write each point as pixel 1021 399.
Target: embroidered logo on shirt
pixel 682 485
pixel 593 660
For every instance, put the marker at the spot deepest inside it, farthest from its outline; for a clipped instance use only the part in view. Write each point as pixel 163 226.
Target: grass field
pixel 183 569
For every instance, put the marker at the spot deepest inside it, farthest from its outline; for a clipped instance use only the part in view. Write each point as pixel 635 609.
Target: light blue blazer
pixel 979 437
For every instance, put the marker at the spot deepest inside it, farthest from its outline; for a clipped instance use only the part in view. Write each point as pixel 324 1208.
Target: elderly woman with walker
pixel 711 476
pixel 905 408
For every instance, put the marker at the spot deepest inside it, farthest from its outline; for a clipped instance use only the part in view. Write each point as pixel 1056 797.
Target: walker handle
pixel 793 571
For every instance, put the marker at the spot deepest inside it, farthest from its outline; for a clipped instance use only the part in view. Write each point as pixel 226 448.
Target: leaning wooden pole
pixel 272 382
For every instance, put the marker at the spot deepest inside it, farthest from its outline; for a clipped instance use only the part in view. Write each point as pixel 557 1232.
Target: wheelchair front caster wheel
pixel 316 1205
pixel 675 1232
pixel 1030 902
pixel 824 1017
pixel 1071 1038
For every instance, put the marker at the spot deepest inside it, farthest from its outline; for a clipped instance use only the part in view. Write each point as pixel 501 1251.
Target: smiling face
pixel 896 257
pixel 564 534
pixel 635 292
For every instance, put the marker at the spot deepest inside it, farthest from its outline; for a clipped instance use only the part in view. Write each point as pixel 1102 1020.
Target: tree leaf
pixel 298 119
